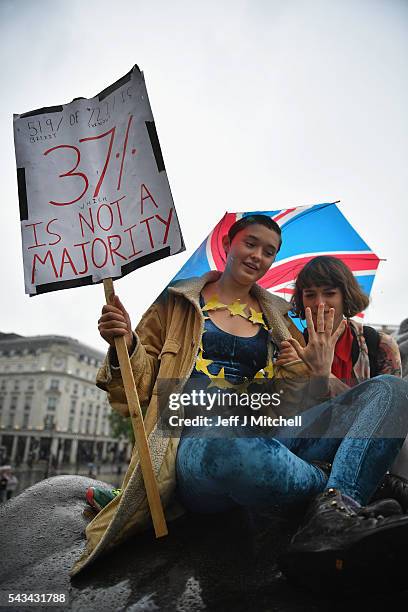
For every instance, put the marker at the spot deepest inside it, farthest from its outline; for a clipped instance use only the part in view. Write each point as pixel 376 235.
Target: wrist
pixel 320 373
pixel 131 343
pixel 319 386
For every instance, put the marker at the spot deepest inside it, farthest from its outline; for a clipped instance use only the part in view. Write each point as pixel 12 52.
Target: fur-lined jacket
pixel 167 343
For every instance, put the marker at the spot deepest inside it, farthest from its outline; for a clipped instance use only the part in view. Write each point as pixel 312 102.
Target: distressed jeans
pixel 359 432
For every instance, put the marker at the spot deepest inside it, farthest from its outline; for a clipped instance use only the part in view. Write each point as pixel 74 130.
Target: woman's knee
pixel 392 385
pixel 394 393
pixel 392 380
pixel 386 382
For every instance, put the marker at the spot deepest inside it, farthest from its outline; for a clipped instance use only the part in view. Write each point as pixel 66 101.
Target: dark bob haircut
pixel 326 271
pixel 254 220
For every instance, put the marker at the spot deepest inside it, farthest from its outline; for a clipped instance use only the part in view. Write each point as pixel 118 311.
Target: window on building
pixel 75 389
pixel 90 410
pixel 27 405
pixel 49 421
pixel 30 386
pixel 16 385
pixel 3 385
pixel 84 392
pixel 71 424
pixel 26 419
pixel 52 403
pixel 11 419
pixel 54 385
pixel 88 426
pixel 13 403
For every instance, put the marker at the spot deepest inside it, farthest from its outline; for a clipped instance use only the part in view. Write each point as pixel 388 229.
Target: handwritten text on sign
pixel 94 196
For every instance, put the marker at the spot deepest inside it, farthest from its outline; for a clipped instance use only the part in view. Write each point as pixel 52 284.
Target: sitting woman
pixel 226 329
pixel 360 353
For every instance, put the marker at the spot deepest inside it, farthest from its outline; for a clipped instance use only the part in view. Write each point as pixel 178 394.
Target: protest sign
pixel 95 204
pixel 94 197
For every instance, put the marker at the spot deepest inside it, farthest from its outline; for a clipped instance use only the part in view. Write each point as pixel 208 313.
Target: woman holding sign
pixel 223 332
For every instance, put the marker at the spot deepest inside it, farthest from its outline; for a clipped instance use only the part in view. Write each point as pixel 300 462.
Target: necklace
pixel 236 309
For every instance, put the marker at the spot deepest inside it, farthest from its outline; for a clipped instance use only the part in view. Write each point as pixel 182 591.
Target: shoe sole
pixel 376 561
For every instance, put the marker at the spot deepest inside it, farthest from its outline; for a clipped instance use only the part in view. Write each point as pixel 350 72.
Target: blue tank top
pixel 239 357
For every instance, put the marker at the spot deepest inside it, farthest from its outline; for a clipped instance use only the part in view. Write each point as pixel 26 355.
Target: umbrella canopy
pixel 307 231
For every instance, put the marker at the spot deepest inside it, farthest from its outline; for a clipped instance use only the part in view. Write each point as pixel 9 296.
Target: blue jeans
pixel 359 432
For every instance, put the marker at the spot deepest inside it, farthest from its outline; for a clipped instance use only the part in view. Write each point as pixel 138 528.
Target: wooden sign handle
pixel 152 490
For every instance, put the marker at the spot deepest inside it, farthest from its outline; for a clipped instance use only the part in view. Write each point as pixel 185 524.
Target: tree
pixel 121 426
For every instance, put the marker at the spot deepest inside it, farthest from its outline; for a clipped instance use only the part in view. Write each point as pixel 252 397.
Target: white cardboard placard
pixel 94 197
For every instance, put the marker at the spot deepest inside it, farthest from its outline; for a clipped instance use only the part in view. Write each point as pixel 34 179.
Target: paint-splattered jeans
pixel 359 432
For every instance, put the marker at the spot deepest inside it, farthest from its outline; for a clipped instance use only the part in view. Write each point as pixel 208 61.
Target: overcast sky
pixel 258 105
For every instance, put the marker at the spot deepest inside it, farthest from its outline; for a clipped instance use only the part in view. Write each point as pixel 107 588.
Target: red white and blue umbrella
pixel 307 231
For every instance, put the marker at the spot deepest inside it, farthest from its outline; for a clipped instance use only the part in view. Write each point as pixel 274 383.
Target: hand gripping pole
pixel 152 490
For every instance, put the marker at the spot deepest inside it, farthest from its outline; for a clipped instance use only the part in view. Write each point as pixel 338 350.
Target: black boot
pixel 395 487
pixel 338 544
pixel 380 508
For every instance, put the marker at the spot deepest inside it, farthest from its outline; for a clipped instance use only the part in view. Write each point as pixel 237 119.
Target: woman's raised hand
pixel 319 352
pixel 115 321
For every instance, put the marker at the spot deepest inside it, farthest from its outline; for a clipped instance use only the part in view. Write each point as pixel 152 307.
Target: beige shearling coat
pixel 168 338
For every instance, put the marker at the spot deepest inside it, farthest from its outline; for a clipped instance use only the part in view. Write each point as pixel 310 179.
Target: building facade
pixel 50 407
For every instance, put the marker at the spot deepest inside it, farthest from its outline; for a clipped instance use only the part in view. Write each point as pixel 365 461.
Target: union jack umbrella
pixel 307 231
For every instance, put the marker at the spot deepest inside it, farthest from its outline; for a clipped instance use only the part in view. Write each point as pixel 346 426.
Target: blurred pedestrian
pixel 12 482
pixel 3 484
pixel 92 469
